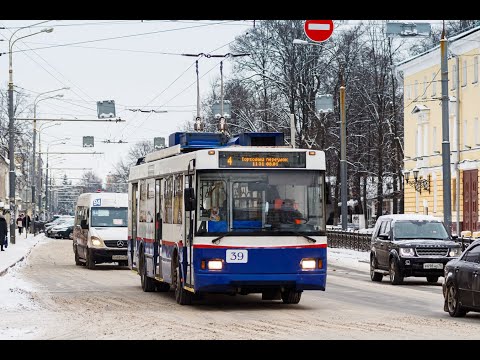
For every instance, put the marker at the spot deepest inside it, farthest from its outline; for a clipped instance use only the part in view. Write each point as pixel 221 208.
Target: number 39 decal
pixel 236 256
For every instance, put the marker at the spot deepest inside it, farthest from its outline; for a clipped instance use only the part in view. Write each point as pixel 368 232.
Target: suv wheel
pixel 375 276
pixel 453 306
pixel 396 277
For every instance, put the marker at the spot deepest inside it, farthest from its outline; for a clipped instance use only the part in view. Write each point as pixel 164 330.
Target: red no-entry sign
pixel 318 30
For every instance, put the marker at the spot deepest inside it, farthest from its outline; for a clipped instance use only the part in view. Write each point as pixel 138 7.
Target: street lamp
pixel 53 143
pixel 11 123
pixel 40 129
pixel 35 102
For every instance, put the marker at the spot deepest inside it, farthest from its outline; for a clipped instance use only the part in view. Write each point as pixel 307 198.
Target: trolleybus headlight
pixel 96 241
pixel 215 264
pixel 308 264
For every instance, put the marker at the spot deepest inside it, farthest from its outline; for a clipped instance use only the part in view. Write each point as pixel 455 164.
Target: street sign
pixel 324 103
pixel 106 109
pixel 159 143
pixel 88 141
pixel 318 30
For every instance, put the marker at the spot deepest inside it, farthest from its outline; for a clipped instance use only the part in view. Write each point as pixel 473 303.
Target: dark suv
pixel 410 245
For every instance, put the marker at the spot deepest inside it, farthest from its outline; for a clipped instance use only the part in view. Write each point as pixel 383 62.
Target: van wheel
pixel 374 276
pixel 148 284
pixel 90 263
pixel 396 277
pixel 291 296
pixel 182 296
pixel 77 258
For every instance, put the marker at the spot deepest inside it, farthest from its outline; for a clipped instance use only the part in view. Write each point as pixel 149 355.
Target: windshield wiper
pixel 217 240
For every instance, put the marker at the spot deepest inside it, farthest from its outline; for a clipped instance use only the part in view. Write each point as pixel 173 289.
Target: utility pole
pixel 447 197
pixel 343 155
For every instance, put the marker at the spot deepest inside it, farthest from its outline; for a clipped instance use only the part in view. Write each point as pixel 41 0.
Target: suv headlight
pixel 455 252
pixel 407 251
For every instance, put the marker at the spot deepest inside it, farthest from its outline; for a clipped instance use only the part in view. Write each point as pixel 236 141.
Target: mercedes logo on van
pixel 120 243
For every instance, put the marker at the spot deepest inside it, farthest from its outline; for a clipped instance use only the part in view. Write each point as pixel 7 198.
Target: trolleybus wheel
pixel 291 296
pixel 182 296
pixel 148 284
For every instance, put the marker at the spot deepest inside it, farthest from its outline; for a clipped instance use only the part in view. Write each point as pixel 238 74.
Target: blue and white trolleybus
pixel 238 215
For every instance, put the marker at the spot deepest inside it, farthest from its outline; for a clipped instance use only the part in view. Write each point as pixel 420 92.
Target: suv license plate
pixel 119 257
pixel 433 266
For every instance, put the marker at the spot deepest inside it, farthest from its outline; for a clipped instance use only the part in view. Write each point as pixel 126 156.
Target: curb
pixel 5 271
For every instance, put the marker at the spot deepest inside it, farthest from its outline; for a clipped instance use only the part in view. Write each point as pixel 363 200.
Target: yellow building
pixel 423 130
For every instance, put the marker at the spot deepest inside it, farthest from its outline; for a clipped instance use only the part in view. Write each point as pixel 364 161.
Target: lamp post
pixel 11 123
pixel 35 102
pixel 40 196
pixel 46 174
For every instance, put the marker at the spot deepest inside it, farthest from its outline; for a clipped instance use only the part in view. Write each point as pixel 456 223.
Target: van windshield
pixel 109 217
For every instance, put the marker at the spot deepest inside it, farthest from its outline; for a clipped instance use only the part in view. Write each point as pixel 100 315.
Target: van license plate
pixel 432 266
pixel 119 257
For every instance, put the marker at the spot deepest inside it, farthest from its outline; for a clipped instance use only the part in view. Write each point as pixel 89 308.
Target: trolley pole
pixel 343 156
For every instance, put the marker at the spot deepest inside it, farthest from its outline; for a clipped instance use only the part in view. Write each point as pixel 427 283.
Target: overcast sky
pixel 136 71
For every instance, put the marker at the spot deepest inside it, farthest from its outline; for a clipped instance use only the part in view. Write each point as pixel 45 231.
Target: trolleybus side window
pixel 167 200
pixel 178 199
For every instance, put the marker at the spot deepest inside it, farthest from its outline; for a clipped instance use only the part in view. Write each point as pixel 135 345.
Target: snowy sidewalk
pixel 359 260
pixel 17 252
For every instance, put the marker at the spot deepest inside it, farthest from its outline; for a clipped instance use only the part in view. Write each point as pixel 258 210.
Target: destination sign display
pixel 240 159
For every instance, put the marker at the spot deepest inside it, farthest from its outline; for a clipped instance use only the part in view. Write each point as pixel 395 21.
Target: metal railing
pixel 349 239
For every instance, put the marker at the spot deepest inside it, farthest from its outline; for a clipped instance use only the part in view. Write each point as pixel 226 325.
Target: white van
pixel 100 230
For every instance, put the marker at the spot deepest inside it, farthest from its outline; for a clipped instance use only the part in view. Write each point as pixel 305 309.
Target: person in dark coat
pixel 3 231
pixel 26 222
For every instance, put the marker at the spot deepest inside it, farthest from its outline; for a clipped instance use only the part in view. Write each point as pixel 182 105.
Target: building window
pixel 415 90
pixel 454 77
pixel 435 192
pixel 416 143
pixel 408 95
pixel 434 138
pixel 475 131
pixel 434 85
pixel 464 73
pixel 475 69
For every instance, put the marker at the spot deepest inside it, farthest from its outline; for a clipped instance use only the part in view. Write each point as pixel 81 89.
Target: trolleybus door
pixel 190 206
pixel 134 222
pixel 158 229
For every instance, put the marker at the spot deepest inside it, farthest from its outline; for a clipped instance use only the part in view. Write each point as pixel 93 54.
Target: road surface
pixel 65 301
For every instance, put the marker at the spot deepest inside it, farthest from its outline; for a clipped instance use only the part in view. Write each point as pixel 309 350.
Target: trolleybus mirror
pixel 189 199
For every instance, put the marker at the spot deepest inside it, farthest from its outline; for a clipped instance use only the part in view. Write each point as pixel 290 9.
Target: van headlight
pixel 407 252
pixel 455 252
pixel 96 241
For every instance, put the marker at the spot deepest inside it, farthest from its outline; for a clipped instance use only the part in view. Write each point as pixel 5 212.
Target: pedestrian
pixel 20 223
pixel 26 223
pixel 3 232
